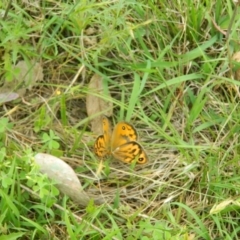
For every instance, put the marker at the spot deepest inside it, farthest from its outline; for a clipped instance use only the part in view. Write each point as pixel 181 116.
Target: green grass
pixel 170 74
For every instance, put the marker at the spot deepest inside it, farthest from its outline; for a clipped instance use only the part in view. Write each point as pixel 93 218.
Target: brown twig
pixel 7 9
pixel 218 28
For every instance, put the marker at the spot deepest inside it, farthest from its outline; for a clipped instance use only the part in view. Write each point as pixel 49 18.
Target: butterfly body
pixel 121 143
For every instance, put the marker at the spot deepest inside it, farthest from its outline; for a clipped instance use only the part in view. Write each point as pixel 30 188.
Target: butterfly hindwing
pixel 102 143
pixel 100 147
pixel 129 152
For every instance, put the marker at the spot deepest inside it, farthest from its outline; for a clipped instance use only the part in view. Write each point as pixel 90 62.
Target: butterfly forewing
pixel 130 151
pixel 107 131
pixel 123 132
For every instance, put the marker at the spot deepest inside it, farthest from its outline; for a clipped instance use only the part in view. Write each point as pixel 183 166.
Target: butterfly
pixel 121 143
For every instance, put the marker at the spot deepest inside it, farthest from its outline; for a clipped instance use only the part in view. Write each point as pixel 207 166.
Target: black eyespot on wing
pixel 139 153
pixel 141 160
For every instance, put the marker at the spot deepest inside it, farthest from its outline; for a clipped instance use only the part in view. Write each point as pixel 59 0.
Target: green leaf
pixel 12 236
pixel 5 125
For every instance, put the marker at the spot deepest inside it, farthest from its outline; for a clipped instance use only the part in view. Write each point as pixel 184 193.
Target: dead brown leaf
pixel 98 102
pixel 30 73
pixel 27 75
pixel 8 97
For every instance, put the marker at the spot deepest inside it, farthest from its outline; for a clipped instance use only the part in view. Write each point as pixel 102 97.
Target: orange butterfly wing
pixel 121 143
pixel 123 132
pixel 102 143
pixel 124 146
pixel 129 152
